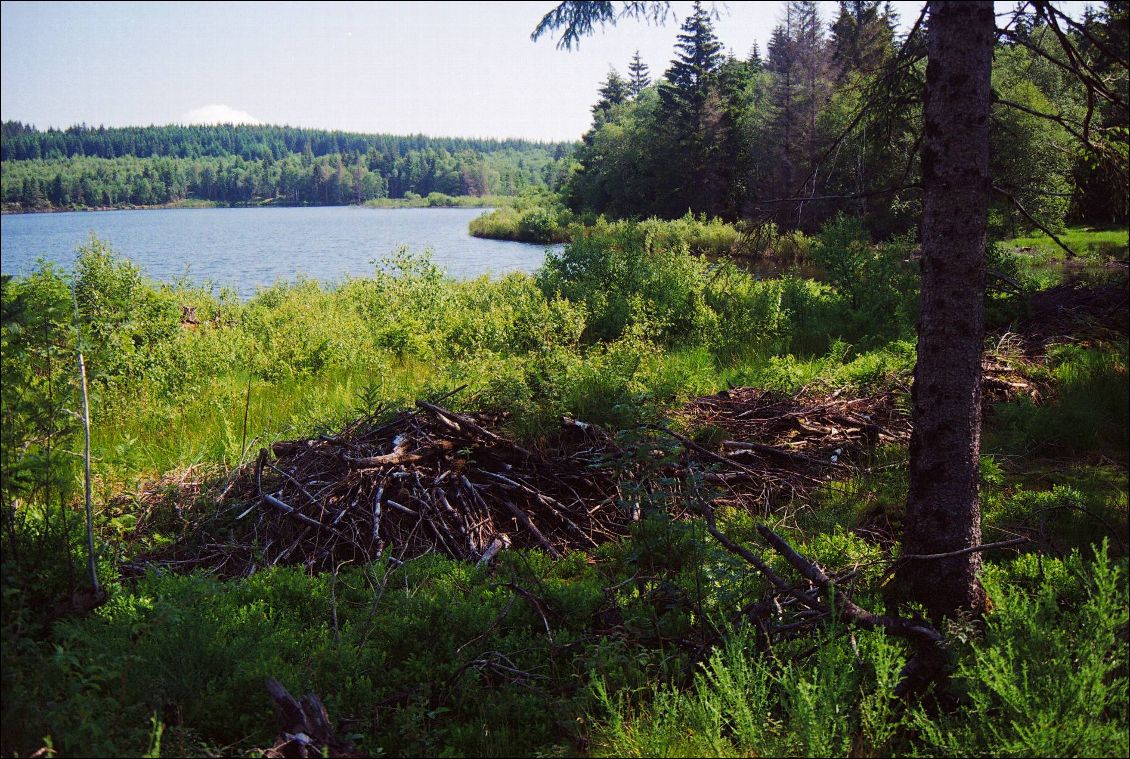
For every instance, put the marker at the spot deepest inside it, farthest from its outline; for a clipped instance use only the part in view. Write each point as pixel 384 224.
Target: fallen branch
pixel 305 726
pixel 929 658
pixel 963 551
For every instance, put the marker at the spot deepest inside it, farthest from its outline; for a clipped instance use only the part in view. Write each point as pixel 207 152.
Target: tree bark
pixel 943 512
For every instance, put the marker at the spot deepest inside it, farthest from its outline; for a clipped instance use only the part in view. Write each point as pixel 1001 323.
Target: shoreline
pixel 485 202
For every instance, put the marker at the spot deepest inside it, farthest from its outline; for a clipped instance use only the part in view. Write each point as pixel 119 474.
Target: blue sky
pixel 452 69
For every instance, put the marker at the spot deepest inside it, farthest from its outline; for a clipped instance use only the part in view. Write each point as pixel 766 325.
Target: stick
pixel 377 510
pixel 729 462
pixel 500 542
pixel 963 551
pixel 552 503
pixel 524 518
pixel 457 419
pixel 90 565
pixel 535 602
pixel 246 410
pixel 741 445
pixel 281 506
pixel 402 509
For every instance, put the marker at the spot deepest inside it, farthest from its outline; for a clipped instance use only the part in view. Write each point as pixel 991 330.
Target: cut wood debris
pixel 429 479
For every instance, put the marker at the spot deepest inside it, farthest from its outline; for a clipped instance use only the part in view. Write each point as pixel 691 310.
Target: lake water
pixel 246 248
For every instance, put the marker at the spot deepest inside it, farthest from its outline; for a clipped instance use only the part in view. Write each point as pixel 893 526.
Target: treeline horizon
pixel 84 167
pixel 21 142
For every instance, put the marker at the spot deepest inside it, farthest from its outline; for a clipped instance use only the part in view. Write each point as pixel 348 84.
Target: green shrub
pixel 1049 678
pixel 537 218
pixel 627 273
pixel 878 281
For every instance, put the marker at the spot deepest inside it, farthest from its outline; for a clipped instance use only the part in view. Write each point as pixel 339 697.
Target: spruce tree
pixel 613 92
pixel 755 61
pixel 638 75
pixel 691 116
pixel 695 68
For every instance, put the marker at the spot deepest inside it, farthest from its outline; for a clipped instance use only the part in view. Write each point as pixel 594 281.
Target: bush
pixel 877 280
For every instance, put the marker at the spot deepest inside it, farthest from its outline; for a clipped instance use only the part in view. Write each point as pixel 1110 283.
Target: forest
pixel 85 167
pixel 812 440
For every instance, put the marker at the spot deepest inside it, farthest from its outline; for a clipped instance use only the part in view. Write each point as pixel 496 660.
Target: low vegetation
pixel 634 648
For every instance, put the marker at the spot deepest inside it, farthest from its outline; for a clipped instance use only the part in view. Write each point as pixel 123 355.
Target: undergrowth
pixel 634 650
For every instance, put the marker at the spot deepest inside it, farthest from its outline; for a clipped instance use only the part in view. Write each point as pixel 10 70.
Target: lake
pixel 247 248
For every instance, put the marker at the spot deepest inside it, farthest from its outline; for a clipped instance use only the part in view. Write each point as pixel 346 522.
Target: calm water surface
pixel 247 248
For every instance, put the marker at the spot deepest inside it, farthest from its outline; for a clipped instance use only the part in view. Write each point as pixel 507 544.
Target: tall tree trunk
pixel 943 512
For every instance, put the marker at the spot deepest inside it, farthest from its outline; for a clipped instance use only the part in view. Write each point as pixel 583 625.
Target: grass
pixel 1081 239
pixel 1044 263
pixel 153 436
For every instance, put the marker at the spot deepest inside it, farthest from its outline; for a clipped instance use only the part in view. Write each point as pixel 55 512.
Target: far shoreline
pixel 447 201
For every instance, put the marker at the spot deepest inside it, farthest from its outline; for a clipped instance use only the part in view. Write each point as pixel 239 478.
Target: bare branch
pixel 1081 29
pixel 915 630
pixel 1036 222
pixel 963 551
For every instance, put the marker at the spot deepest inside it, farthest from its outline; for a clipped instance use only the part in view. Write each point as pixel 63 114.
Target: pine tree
pixel 613 92
pixel 638 75
pixel 695 68
pixel 861 37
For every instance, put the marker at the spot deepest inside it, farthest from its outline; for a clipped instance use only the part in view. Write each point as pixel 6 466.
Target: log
pixel 499 542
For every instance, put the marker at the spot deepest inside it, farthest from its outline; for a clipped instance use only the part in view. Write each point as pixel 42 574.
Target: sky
pixel 463 69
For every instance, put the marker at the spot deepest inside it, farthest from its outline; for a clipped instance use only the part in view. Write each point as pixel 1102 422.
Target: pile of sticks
pixel 762 445
pixel 766 423
pixel 428 479
pixel 1075 310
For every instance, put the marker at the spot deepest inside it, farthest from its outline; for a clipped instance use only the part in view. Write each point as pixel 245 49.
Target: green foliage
pixel 38 440
pixel 1032 157
pixel 1089 410
pixel 531 218
pixel 426 658
pixel 750 138
pixel 1048 677
pixel 1068 510
pixel 644 276
pixel 619 328
pixel 878 280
